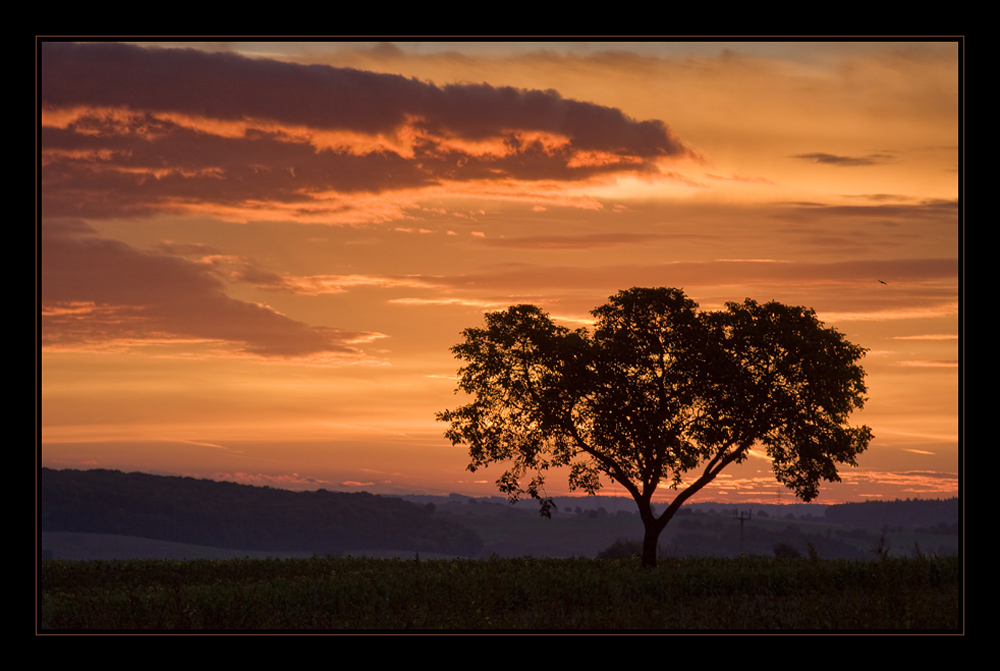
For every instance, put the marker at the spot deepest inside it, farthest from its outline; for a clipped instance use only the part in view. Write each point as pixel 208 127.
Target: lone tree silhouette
pixel 656 392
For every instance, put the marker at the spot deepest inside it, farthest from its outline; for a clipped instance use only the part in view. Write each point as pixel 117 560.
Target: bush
pixel 784 550
pixel 623 548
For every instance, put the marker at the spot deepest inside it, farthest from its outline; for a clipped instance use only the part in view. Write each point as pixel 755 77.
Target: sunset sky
pixel 254 257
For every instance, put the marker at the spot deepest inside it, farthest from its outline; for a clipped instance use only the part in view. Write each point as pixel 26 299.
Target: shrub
pixel 784 550
pixel 623 548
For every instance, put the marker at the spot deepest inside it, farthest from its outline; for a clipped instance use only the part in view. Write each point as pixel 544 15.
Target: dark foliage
pixel 657 395
pixel 526 594
pixel 623 548
pixel 783 550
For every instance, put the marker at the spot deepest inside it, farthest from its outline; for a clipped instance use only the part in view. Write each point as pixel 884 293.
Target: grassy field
pixel 358 594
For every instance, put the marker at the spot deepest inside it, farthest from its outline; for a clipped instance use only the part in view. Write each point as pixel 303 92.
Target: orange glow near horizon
pixel 259 278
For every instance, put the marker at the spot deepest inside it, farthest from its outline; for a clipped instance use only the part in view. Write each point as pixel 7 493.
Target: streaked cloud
pixel 943 210
pixel 948 309
pixel 743 178
pixel 98 289
pixel 287 481
pixel 927 364
pixel 465 302
pixel 583 241
pixel 933 336
pixel 861 482
pixel 721 272
pixel 846 161
pixel 314 285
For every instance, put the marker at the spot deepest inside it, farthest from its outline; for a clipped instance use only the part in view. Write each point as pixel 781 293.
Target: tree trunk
pixel 649 542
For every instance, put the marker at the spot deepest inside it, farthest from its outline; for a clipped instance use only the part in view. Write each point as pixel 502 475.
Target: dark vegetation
pixel 540 594
pixel 96 511
pixel 891 568
pixel 658 394
pixel 711 530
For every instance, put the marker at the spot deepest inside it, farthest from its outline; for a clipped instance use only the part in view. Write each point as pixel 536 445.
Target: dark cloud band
pixel 232 87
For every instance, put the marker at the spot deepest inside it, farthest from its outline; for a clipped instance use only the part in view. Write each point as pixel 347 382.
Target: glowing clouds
pixel 102 290
pixel 128 130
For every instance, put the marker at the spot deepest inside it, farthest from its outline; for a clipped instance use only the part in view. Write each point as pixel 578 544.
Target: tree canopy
pixel 658 394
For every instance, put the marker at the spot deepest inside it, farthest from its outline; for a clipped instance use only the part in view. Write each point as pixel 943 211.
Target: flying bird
pixel 883 282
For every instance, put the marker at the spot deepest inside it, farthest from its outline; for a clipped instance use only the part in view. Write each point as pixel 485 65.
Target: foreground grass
pixel 560 594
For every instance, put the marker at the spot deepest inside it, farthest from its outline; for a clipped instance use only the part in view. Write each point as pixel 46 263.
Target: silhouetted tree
pixel 657 391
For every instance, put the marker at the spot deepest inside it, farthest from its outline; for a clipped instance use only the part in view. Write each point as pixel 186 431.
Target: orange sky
pixel 255 257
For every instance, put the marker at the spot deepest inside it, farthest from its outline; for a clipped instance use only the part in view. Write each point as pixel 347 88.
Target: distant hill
pixel 242 517
pixel 203 518
pixel 584 526
pixel 909 513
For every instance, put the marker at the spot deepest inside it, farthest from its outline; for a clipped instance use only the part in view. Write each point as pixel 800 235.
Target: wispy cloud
pixel 743 178
pixel 581 241
pixel 931 479
pixel 466 302
pixel 930 336
pixel 721 272
pixel 936 209
pixel 204 444
pixel 314 285
pixel 948 309
pixel 927 364
pixel 97 289
pixel 287 480
pixel 846 161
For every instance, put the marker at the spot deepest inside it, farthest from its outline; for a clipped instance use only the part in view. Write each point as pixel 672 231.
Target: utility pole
pixel 743 518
